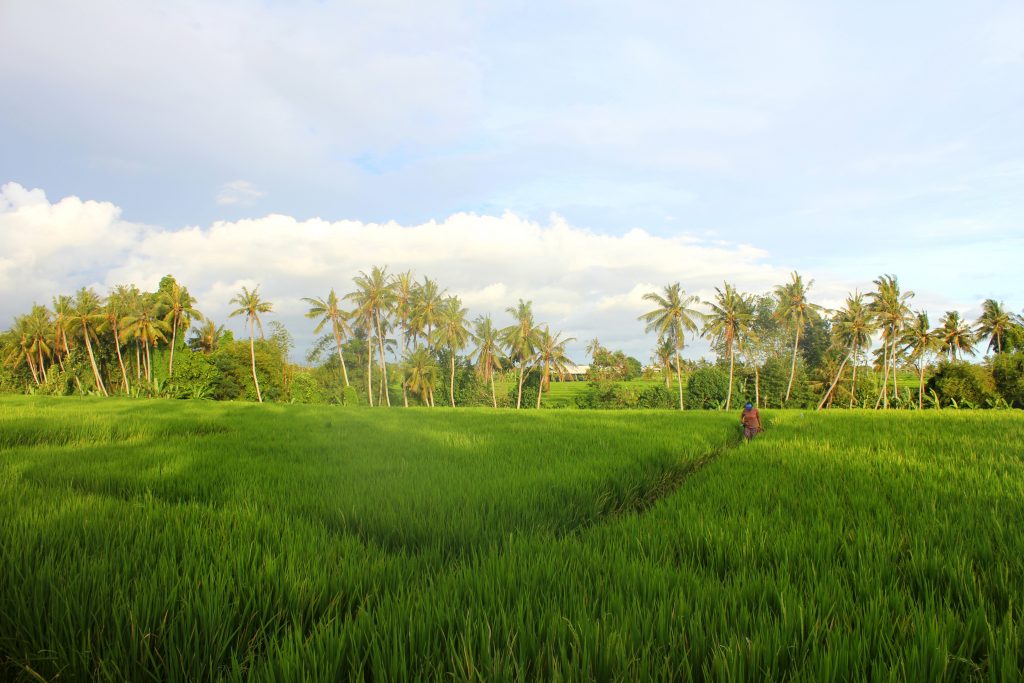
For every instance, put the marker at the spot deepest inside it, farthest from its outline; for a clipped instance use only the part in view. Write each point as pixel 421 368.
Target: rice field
pixel 198 541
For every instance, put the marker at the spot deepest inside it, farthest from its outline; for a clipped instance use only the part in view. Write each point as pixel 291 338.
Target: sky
pixel 576 154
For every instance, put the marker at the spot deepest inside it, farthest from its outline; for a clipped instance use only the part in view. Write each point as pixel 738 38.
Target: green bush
pixel 708 388
pixel 1008 374
pixel 964 384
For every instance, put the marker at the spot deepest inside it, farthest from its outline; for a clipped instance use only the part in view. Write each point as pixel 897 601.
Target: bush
pixel 963 384
pixel 775 378
pixel 708 388
pixel 1008 374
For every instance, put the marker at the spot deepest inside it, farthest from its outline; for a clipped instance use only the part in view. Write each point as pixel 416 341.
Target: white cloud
pixel 238 192
pixel 582 283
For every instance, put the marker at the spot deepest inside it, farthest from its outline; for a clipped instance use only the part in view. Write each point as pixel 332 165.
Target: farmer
pixel 751 421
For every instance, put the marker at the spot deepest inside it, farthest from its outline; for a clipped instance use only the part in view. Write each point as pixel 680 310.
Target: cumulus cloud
pixel 582 283
pixel 238 192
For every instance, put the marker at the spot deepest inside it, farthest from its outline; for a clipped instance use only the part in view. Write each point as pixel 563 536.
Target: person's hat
pixel 749 406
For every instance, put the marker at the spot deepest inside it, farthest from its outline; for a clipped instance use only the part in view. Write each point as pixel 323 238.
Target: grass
pixel 196 541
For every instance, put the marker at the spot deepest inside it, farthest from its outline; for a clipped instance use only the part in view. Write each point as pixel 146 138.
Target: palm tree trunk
pixel 451 380
pixel 920 388
pixel 138 360
pixel 757 386
pixel 679 379
pixel 728 397
pixel 540 387
pixel 519 398
pixel 494 395
pixel 832 388
pixel 120 361
pixel 892 359
pixel 792 368
pixel 31 365
pixel 92 360
pixel 252 355
pixel 853 382
pixel 369 364
pixel 341 357
pixel 174 338
pixel 885 376
pixel 383 363
pixel 60 360
pixel 42 365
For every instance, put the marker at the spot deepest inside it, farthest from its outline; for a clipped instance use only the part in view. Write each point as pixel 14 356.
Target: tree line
pixel 396 333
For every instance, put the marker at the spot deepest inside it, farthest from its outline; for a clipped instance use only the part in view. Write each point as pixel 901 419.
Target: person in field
pixel 750 418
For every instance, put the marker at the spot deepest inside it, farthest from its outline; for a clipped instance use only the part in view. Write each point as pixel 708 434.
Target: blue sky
pixel 843 140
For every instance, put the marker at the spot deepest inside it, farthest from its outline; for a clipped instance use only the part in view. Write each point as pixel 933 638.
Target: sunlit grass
pixel 198 541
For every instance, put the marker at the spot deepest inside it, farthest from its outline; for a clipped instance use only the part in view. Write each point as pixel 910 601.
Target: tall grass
pixel 188 541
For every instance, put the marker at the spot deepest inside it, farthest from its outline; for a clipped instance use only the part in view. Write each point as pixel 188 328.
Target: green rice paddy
pixel 198 541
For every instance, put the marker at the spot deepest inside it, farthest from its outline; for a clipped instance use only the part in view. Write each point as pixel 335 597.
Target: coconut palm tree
pixel 728 322
pixel 793 307
pixel 328 311
pixel 404 288
pixel 954 336
pixel 147 327
pixel 374 298
pixel 488 355
pixel 86 315
pixel 452 333
pixel 19 347
pixel 852 326
pixel 918 342
pixel 672 319
pixel 663 353
pixel 251 305
pixel 423 371
pixel 39 329
pixel 180 312
pixel 206 337
pixel 891 308
pixel 551 356
pixel 119 301
pixel 521 338
pixel 993 323
pixel 61 319
pixel 426 304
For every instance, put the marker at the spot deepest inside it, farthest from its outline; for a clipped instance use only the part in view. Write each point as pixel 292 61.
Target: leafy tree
pixel 1008 373
pixel 963 384
pixel 672 319
pixel 708 387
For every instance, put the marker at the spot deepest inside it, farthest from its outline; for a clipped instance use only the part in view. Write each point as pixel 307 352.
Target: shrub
pixel 707 388
pixel 1008 374
pixel 964 384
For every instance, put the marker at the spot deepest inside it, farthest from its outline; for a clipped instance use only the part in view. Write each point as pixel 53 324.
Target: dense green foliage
pixel 148 540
